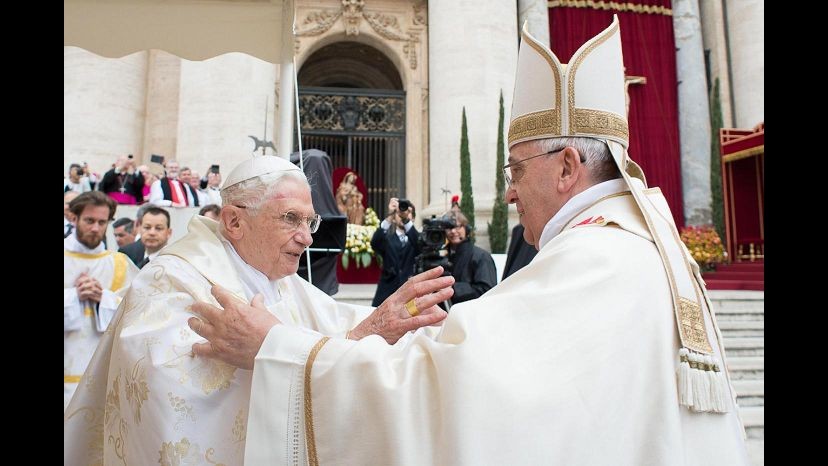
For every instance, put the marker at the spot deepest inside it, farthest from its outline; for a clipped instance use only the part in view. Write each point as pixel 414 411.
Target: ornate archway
pixel 368 61
pixel 352 106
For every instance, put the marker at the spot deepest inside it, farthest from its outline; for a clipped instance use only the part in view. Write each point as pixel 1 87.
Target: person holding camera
pixel 473 268
pixel 396 240
pixel 123 182
pixel 77 180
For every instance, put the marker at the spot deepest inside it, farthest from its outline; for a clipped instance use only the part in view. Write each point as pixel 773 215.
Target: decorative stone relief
pixel 420 15
pixel 386 25
pixel 352 12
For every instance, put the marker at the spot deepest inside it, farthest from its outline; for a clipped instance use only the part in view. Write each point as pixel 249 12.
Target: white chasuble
pixel 153 402
pixel 85 321
pixel 570 361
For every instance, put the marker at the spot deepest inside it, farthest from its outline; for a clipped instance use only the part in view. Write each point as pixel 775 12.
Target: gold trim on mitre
pixel 593 84
pixel 529 122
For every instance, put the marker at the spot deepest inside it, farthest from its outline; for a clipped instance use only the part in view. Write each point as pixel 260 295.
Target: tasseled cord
pixel 701 382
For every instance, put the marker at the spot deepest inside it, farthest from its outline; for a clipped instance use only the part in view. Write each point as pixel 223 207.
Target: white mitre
pixel 258 166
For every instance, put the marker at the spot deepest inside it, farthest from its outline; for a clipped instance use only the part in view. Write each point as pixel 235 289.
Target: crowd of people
pixel 165 185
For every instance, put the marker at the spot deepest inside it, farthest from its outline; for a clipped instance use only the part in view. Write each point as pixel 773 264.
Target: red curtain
pixel 649 51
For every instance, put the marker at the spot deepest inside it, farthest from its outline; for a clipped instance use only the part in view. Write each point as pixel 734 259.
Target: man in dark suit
pixel 155 233
pixel 520 252
pixel 135 251
pixel 396 240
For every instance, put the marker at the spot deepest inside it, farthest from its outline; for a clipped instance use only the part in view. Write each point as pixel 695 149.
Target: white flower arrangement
pixel 358 241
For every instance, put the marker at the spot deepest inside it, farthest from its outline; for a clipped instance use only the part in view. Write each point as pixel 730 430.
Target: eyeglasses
pixel 507 170
pixel 295 220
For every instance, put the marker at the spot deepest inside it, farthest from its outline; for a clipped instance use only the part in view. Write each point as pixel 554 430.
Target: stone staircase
pixel 741 318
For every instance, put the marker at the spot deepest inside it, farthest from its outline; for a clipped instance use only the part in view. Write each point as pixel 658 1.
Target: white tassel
pixel 701 387
pixel 718 386
pixel 702 383
pixel 684 385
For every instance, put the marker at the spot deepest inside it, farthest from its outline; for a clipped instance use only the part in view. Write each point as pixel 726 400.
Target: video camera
pixel 432 242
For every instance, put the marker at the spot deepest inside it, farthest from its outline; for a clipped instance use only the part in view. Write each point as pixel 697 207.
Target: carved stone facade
pixel 399 30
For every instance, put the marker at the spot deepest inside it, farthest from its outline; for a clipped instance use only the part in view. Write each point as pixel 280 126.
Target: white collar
pixel 71 243
pixel 252 280
pixel 579 202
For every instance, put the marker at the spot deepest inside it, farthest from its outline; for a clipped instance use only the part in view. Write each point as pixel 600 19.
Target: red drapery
pixel 743 183
pixel 649 51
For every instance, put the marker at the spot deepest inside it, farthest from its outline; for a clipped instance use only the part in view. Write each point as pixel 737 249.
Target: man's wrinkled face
pixel 155 231
pixel 91 226
pixel 271 242
pixel 172 170
pixel 123 237
pixel 534 194
pixel 184 176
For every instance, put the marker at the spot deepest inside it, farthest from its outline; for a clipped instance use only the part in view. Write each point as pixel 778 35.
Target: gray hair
pixel 125 222
pixel 254 192
pixel 139 214
pixel 595 155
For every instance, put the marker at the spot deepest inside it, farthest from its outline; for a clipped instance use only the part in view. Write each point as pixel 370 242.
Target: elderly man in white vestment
pixel 602 351
pixel 94 280
pixel 152 402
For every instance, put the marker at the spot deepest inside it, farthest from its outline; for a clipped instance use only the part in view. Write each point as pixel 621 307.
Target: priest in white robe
pixel 603 350
pixel 152 402
pixel 94 280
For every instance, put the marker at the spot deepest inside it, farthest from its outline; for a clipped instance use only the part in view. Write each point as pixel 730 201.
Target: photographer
pixel 77 180
pixel 473 268
pixel 123 182
pixel 396 241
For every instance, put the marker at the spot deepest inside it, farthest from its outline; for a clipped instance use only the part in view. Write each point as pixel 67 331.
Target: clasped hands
pixel 236 330
pixel 88 288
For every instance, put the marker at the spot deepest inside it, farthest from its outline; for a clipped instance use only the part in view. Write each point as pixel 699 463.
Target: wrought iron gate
pixel 360 129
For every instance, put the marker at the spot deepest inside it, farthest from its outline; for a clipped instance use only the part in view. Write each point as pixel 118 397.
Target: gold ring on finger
pixel 411 307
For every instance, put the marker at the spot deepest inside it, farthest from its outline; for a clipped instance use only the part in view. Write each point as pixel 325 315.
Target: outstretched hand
pixel 235 333
pixel 391 320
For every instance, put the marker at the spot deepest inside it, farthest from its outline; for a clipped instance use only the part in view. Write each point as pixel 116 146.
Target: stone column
pixel 162 103
pixel 746 30
pixel 474 59
pixel 714 38
pixel 536 14
pixel 103 107
pixel 694 113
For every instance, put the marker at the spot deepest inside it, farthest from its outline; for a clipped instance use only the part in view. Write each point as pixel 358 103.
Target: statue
pixel 349 199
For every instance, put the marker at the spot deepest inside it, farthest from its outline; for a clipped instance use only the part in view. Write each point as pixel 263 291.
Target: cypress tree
pixel 499 227
pixel 717 207
pixel 466 198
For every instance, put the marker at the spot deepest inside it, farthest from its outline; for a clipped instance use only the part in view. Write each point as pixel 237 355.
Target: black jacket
pixel 135 252
pixel 397 260
pixel 520 252
pixel 473 270
pixel 185 188
pixel 133 184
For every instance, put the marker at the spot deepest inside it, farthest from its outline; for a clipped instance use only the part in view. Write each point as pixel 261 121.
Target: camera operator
pixel 77 181
pixel 473 268
pixel 396 241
